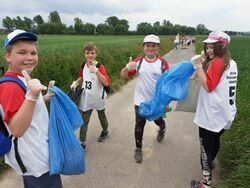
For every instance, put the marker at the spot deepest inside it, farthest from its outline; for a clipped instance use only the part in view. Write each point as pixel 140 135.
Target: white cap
pixel 217 36
pixel 152 38
pixel 19 34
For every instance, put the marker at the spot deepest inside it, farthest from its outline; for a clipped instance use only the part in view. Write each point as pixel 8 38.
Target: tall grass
pixel 234 154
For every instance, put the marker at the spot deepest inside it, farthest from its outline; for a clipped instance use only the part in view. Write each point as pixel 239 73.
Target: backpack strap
pixel 140 62
pixel 15 141
pixel 3 128
pixel 139 65
pixel 15 80
pixel 162 65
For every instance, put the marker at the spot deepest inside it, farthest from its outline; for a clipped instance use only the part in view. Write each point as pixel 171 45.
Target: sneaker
pixel 138 155
pixel 197 184
pixel 161 134
pixel 83 146
pixel 103 136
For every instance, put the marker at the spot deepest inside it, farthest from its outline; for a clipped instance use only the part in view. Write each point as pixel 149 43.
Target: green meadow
pixel 61 55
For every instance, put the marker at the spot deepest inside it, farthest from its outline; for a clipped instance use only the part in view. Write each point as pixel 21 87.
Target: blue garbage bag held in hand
pixel 172 85
pixel 66 153
pixel 69 107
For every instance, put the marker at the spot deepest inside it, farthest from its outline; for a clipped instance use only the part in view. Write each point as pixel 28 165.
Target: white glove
pixel 197 61
pixel 203 56
pixel 34 87
pixel 131 65
pixel 93 69
pixel 49 93
pixel 74 85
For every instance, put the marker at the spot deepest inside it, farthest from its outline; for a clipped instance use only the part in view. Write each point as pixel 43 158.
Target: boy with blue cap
pixel 25 113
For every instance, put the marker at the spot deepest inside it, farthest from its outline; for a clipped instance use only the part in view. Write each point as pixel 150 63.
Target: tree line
pixel 112 26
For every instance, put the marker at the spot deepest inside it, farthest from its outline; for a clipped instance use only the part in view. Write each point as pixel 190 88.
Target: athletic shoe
pixel 161 134
pixel 103 135
pixel 138 155
pixel 197 184
pixel 83 146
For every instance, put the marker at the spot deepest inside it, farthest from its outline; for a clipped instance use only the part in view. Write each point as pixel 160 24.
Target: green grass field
pixel 60 56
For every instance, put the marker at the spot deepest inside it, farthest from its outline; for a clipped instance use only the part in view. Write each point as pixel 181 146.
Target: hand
pixel 131 65
pixel 197 61
pixel 74 85
pixel 203 56
pixel 34 87
pixel 93 69
pixel 49 93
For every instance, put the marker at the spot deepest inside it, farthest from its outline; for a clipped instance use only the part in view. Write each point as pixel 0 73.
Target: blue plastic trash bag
pixel 69 107
pixel 66 153
pixel 172 85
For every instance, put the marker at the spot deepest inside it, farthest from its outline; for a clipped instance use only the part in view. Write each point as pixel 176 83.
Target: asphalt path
pixel 110 164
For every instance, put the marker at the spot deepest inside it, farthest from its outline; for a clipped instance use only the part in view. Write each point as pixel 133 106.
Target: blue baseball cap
pixel 19 34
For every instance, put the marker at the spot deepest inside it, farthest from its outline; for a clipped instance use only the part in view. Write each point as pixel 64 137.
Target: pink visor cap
pixel 217 36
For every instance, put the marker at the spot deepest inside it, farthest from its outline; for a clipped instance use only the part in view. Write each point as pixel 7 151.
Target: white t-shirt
pixel 216 110
pixel 93 95
pixel 149 73
pixel 33 145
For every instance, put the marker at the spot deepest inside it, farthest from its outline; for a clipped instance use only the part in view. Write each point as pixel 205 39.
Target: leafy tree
pixel 120 30
pixel 167 23
pixel 38 20
pixel 167 30
pixel 201 29
pixel 19 23
pixel 157 29
pixel 113 21
pixel 144 28
pixel 125 23
pixel 52 28
pixel 28 23
pixel 104 29
pixel 54 17
pixel 8 23
pixel 78 26
pixel 89 29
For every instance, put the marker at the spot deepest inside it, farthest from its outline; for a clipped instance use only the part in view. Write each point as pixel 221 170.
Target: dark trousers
pixel 140 124
pixel 44 181
pixel 210 145
pixel 86 116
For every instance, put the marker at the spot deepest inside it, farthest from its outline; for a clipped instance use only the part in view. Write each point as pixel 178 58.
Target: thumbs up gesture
pixel 34 87
pixel 131 65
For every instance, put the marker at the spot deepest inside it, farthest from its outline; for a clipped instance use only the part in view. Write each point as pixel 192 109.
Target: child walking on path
pixel 216 106
pixel 94 77
pixel 149 69
pixel 26 114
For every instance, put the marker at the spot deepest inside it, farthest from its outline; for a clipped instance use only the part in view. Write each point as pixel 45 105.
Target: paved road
pixel 170 164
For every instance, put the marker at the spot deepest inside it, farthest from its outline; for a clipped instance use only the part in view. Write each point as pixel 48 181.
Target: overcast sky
pixel 214 14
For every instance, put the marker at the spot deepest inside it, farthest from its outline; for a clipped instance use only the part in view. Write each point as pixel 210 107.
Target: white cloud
pixel 214 14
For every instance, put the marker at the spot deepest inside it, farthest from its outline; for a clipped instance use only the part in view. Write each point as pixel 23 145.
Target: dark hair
pixel 219 50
